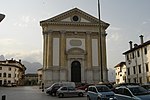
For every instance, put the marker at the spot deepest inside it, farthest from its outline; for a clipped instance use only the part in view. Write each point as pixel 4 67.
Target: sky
pixel 21 33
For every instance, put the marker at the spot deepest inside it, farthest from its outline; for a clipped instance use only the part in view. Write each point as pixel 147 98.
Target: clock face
pixel 76 18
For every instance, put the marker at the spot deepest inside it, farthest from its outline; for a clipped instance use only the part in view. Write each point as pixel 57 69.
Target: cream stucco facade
pixel 138 62
pixel 12 71
pixel 71 48
pixel 120 70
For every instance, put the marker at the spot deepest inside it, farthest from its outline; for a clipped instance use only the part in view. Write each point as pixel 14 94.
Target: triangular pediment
pixel 74 16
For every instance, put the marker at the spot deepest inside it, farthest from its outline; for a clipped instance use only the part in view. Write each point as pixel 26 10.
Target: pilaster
pixel 49 49
pixel 88 47
pixel 62 48
pixel 45 50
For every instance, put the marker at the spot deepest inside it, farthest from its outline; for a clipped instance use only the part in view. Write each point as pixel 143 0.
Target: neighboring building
pixel 138 62
pixel 12 71
pixel 31 79
pixel 120 73
pixel 39 72
pixel 72 49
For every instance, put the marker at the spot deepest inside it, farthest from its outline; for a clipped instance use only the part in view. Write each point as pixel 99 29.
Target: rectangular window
pixel 129 80
pixel 9 81
pixel 120 69
pixel 4 74
pixel 145 50
pixel 140 79
pixel 0 68
pixel 138 53
pixel 127 57
pixel 139 68
pixel 9 75
pixel 9 69
pixel 128 71
pixel 133 55
pixel 0 82
pixel 146 65
pixel 0 74
pixel 148 79
pixel 134 70
pixel 130 56
pixel 134 80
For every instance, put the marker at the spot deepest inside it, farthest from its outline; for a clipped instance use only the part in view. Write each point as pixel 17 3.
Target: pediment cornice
pixel 57 20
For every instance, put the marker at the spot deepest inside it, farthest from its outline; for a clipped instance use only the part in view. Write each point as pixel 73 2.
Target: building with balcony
pixel 120 70
pixel 138 62
pixel 12 72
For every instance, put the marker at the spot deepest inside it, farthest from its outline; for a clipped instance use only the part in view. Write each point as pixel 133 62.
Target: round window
pixel 75 18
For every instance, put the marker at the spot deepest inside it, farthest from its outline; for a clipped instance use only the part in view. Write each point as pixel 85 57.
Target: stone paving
pixel 29 93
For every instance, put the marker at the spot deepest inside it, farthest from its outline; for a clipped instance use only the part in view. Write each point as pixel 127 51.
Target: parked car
pixel 84 87
pixel 9 84
pixel 146 86
pixel 132 92
pixel 123 84
pixel 100 92
pixel 109 85
pixel 69 91
pixel 54 87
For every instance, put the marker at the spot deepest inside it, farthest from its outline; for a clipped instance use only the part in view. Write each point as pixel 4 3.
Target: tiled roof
pixel 137 47
pixel 120 64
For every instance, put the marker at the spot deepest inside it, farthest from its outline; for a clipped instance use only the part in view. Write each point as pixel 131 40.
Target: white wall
pixel 55 51
pixel 94 52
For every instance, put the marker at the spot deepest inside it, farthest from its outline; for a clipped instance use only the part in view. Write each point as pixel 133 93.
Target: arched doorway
pixel 75 71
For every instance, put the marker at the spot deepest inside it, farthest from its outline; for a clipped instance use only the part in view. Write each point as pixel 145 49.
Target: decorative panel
pixel 55 51
pixel 75 43
pixel 94 52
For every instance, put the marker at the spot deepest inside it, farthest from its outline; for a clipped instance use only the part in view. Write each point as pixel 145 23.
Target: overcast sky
pixel 21 36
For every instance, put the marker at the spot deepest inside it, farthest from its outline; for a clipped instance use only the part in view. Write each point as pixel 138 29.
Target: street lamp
pixel 100 41
pixel 2 16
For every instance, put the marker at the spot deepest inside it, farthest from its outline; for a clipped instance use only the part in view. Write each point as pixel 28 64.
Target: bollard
pixel 42 90
pixel 3 97
pixel 42 87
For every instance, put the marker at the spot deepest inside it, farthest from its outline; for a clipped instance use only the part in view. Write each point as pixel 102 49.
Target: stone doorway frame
pixel 76 54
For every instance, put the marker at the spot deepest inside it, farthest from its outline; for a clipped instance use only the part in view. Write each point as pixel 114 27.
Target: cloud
pixel 25 21
pixel 114 29
pixel 146 22
pixel 113 37
pixel 31 56
pixel 147 38
pixel 8 42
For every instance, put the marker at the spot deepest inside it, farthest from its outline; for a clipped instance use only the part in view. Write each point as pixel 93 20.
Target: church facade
pixel 71 48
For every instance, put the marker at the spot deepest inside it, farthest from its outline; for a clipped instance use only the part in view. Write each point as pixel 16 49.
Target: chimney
pixel 130 45
pixel 20 60
pixel 135 45
pixel 141 38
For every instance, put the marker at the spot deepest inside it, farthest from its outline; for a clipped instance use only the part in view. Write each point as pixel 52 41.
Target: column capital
pixel 44 32
pixel 88 32
pixel 62 31
pixel 49 31
pixel 104 34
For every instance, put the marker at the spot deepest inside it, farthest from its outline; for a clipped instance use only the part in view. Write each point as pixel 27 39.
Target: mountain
pixel 2 58
pixel 31 67
pixel 111 75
